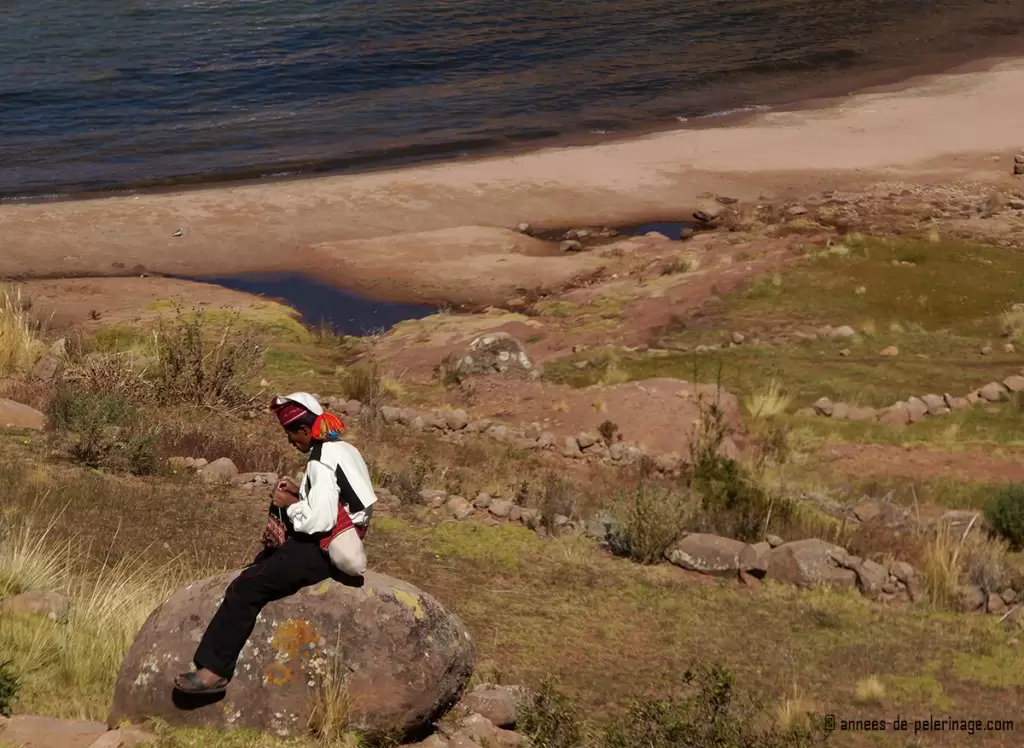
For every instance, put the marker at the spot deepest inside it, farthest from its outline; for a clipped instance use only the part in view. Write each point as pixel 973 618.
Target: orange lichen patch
pixel 277 674
pixel 291 637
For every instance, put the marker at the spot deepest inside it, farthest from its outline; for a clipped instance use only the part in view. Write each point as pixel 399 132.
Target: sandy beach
pixel 357 229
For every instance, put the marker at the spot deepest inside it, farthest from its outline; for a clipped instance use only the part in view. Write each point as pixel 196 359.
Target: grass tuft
pixel 20 344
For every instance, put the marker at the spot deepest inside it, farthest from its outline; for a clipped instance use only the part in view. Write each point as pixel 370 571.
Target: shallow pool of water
pixel 671 229
pixel 347 312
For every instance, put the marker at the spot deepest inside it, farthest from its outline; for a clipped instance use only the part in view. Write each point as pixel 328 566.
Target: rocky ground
pixel 508 443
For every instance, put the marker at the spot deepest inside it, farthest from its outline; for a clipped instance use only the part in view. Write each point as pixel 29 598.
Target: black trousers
pixel 273 574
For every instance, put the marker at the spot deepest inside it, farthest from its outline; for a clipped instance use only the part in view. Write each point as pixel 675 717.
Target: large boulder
pixel 711 554
pixel 811 563
pixel 17 416
pixel 495 352
pixel 404 658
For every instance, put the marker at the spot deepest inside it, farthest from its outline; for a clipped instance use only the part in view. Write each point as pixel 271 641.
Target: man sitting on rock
pixel 312 531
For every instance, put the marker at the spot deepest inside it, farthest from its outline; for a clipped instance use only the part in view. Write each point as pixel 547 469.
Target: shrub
pixel 101 431
pixel 608 431
pixel 550 719
pixel 715 715
pixel 1005 514
pixel 210 371
pixel 654 518
pixel 951 560
pixel 557 497
pixel 9 686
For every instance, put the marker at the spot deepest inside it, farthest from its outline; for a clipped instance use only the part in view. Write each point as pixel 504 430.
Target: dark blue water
pixel 346 312
pixel 103 94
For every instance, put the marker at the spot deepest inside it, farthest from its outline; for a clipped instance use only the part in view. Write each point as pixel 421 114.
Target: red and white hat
pixel 288 408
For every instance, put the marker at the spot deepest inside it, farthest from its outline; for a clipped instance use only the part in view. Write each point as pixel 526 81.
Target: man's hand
pixel 284 499
pixel 287 485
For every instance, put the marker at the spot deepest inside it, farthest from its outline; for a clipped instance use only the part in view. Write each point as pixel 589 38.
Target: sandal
pixel 191 683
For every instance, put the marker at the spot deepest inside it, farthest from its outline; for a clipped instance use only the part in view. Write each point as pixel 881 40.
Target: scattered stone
pixel 973 398
pixel 956 404
pixel 708 213
pixel 570 245
pixel 500 508
pixel 1009 348
pixel 476 730
pixel 843 332
pixel 547 440
pixel 497 704
pixel 862 414
pixel 824 407
pixel 986 350
pixel 43 603
pixel 402 677
pixel 993 392
pixel 1014 383
pixel 897 414
pixel 482 501
pixel 457 419
pixel 459 507
pixel 222 470
pixel 571 447
pixel 845 352
pixel 523 228
pixel 738 338
pixel 890 351
pixel 903 571
pixel 1008 595
pixel 495 352
pixel 805 413
pixel 17 416
pixel 774 540
pixel 866 510
pixel 840 411
pixel 48 367
pixel 810 563
pixel 585 440
pixel 971 599
pixel 870 577
pixel 917 409
pixel 707 554
pixel 390 414
pixel 995 604
pixel 936 405
pixel 515 514
pixel 667 462
pixel 754 559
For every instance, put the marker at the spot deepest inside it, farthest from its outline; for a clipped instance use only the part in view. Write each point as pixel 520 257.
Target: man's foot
pixel 201 681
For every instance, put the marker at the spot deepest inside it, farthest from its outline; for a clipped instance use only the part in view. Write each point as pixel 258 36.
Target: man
pixel 315 528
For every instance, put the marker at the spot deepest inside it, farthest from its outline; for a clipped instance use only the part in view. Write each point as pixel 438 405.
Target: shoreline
pixel 433 231
pixel 824 96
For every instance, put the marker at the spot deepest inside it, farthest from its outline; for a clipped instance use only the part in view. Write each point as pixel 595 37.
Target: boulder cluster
pixel 916 409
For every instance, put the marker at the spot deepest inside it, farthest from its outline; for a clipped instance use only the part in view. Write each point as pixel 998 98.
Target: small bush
pixel 608 431
pixel 550 720
pixel 715 715
pixel 9 686
pixel 653 519
pixel 101 431
pixel 949 560
pixel 557 498
pixel 195 367
pixel 1005 515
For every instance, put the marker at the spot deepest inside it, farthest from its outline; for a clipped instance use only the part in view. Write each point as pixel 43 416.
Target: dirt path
pixel 923 463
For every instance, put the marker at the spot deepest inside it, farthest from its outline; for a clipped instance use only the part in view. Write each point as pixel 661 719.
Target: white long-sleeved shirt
pixel 319 489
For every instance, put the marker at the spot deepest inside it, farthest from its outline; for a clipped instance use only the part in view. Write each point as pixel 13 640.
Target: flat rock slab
pixel 25 731
pixel 17 416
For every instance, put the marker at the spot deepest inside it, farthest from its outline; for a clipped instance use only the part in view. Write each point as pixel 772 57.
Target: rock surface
pixel 24 731
pixel 407 660
pixel 707 554
pixel 810 563
pixel 495 352
pixel 17 416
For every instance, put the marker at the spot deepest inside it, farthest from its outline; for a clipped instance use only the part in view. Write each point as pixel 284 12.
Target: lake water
pixel 345 312
pixel 100 95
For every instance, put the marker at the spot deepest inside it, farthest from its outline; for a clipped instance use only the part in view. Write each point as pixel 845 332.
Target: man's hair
pixel 307 419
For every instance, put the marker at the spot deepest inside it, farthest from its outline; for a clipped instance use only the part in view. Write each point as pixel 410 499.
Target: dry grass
pixel 950 560
pixel 329 719
pixel 1012 321
pixel 768 404
pixel 795 712
pixel 869 690
pixel 69 669
pixel 20 344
